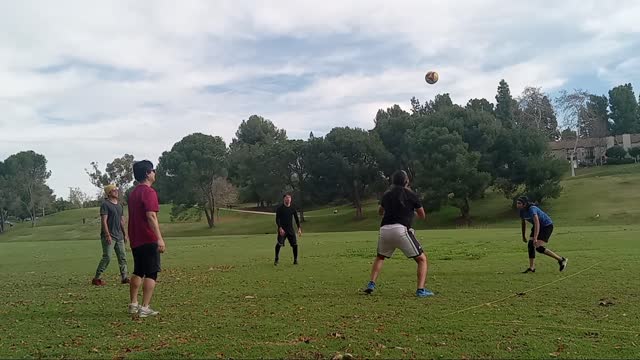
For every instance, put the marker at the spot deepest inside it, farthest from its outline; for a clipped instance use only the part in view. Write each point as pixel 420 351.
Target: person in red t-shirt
pixel 145 238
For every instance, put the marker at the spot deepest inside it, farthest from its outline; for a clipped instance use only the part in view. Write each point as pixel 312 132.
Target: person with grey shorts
pixel 397 208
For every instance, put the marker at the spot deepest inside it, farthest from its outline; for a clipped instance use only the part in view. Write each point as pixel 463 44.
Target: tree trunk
pixel 209 214
pixel 2 220
pixel 302 219
pixel 356 200
pixel 465 210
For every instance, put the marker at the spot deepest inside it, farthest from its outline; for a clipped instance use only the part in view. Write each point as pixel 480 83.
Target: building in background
pixel 591 151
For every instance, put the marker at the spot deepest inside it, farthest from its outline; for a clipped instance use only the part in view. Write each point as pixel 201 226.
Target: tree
pixel 6 197
pixel 441 102
pixel 481 105
pixel 298 156
pixel 322 181
pixel 521 163
pixel 624 110
pixel 187 173
pixel 447 172
pixel 393 126
pixel 256 167
pixel 505 105
pixel 634 152
pixel 26 175
pixel 594 123
pixel 616 152
pixel 78 198
pixel 568 134
pixel 536 112
pixel 542 179
pixel 118 172
pixel 60 204
pixel 356 157
pixel 574 108
pixel 224 192
pixel 258 130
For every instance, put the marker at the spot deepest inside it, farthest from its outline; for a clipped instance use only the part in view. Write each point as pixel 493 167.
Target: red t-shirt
pixel 141 200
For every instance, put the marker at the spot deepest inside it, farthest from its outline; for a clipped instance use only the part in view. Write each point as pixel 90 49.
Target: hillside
pixel 597 196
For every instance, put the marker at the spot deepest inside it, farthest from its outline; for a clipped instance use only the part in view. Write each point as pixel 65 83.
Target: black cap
pixel 141 169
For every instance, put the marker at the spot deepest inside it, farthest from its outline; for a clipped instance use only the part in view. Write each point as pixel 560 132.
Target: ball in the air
pixel 431 77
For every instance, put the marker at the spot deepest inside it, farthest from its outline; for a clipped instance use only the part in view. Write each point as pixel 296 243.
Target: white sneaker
pixel 146 312
pixel 133 309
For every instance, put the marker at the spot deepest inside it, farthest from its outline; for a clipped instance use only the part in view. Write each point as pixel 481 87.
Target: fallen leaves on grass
pixel 606 302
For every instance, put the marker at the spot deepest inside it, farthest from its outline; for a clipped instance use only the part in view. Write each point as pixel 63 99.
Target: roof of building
pixel 590 142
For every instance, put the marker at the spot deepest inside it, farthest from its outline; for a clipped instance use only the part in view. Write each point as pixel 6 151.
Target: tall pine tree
pixel 624 110
pixel 505 105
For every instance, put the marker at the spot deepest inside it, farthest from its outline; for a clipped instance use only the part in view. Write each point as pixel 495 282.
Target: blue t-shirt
pixel 545 220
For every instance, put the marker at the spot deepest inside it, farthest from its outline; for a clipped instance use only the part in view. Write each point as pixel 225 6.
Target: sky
pixel 85 81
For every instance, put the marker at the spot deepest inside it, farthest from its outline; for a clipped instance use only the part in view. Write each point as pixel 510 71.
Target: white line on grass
pixel 538 327
pixel 523 292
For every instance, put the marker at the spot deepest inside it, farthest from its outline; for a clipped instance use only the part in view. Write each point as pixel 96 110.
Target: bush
pixel 614 161
pixel 634 152
pixel 616 152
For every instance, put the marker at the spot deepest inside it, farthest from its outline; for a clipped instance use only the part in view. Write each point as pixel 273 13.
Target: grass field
pixel 222 297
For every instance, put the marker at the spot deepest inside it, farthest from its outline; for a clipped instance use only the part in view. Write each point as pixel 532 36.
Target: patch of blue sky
pixel 102 71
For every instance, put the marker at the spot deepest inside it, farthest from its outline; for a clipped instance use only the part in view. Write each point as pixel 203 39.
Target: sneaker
pixel 275 262
pixel 424 293
pixel 563 263
pixel 529 270
pixel 125 281
pixel 133 309
pixel 146 312
pixel 98 282
pixel 370 287
pixel 295 262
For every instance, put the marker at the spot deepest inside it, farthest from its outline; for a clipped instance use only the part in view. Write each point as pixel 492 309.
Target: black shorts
pixel 146 260
pixel 291 236
pixel 545 233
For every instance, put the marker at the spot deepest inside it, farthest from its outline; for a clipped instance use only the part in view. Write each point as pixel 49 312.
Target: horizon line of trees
pixel 453 154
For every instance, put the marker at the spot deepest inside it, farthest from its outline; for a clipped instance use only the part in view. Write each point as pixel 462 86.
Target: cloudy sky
pixel 84 81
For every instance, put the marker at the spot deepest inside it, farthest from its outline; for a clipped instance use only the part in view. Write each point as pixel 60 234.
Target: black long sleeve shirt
pixel 284 217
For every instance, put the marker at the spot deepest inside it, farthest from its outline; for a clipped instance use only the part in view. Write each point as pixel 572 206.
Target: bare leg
pixel 134 288
pixel 421 260
pixel 147 291
pixel 552 254
pixel 377 267
pixel 547 251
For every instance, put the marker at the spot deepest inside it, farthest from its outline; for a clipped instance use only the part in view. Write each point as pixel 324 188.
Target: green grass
pixel 221 297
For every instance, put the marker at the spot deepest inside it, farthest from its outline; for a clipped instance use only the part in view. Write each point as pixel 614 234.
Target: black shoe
pixel 295 262
pixel 529 270
pixel 275 262
pixel 563 263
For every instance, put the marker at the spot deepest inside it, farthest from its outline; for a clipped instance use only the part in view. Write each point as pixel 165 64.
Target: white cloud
pixel 128 77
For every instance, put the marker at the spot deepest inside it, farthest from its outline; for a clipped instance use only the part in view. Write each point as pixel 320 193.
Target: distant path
pixel 249 211
pixel 266 213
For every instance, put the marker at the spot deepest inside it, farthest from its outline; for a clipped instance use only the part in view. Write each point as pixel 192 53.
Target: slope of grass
pixel 604 195
pixel 221 297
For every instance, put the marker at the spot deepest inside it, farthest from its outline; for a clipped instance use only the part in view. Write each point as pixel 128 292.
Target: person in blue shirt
pixel 541 229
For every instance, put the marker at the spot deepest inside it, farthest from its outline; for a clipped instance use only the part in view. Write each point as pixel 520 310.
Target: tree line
pixel 453 154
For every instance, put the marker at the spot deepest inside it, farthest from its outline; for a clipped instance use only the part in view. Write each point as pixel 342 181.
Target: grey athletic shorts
pixel 397 236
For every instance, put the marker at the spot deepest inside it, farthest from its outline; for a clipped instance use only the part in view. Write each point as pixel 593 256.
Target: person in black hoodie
pixel 285 214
